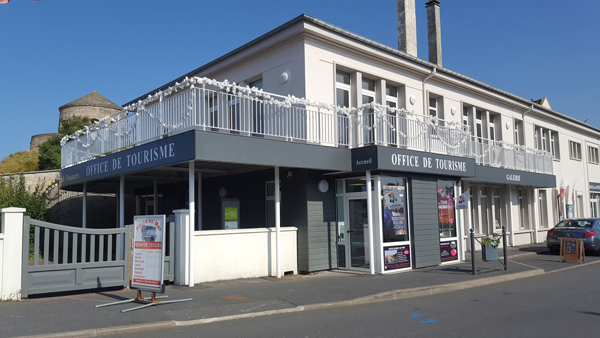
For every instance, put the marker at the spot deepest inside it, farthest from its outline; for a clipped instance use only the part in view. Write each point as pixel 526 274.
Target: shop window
pixel 575 150
pixel 497 210
pixel 446 215
pixel 594 204
pixel 543 209
pixel 593 155
pixel 580 206
pixel 358 185
pixel 394 218
pixel 523 209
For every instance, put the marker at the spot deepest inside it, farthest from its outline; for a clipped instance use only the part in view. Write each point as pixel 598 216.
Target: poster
pixel 396 257
pixel 231 218
pixel 463 200
pixel 570 246
pixel 148 253
pixel 446 211
pixel 448 251
pixel 394 213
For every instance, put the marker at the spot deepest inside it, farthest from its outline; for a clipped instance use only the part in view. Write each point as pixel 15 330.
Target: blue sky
pixel 55 51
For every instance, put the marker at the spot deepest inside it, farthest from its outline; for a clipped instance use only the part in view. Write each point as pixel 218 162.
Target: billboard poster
pixel 396 257
pixel 231 217
pixel 148 253
pixel 446 219
pixel 395 227
pixel 448 251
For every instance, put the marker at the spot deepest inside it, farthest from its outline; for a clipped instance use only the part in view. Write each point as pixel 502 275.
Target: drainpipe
pixel 425 103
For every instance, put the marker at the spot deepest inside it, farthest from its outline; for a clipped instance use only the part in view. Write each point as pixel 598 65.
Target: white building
pixel 416 134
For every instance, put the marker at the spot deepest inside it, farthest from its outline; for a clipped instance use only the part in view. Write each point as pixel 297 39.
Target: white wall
pixel 1 260
pixel 242 253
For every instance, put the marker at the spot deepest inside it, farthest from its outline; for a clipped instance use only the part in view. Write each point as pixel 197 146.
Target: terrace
pixel 223 107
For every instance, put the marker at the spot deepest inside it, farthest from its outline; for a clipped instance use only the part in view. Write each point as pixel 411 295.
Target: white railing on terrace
pixel 200 103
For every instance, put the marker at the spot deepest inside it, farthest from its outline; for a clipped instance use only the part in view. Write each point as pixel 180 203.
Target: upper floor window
pixel 368 91
pixel 478 124
pixel 492 125
pixel 433 106
pixel 465 116
pixel 519 132
pixel 593 155
pixel 342 89
pixel 554 149
pixel 391 96
pixel 575 150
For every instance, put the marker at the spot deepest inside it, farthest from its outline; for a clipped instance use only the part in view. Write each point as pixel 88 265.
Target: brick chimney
pixel 434 32
pixel 407 26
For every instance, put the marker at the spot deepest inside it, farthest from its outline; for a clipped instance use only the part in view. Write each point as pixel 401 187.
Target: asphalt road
pixel 561 304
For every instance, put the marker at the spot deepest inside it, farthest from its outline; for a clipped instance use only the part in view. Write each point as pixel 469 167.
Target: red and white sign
pixel 148 252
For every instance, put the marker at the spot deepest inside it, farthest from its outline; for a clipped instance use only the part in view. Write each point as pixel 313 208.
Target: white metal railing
pixel 213 106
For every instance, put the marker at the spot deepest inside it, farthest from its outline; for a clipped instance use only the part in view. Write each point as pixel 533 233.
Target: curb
pixel 376 298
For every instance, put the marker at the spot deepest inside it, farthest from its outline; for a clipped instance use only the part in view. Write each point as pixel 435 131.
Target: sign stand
pixel 148 260
pixel 147 301
pixel 572 250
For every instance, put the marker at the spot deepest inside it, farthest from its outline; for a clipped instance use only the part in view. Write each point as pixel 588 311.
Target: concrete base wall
pixel 242 253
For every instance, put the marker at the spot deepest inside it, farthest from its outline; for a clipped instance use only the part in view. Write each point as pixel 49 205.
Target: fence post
pixel 472 238
pixel 11 244
pixel 504 245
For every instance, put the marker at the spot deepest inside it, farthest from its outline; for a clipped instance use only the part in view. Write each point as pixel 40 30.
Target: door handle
pixel 349 231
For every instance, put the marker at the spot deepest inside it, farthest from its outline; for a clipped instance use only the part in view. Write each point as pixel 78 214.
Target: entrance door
pixel 357 240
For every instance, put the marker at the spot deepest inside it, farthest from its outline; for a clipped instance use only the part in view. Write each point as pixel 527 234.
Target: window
pixel 492 126
pixel 593 155
pixel 258 112
pixel 433 106
pixel 523 208
pixel 575 150
pixel 465 117
pixel 368 96
pixel 543 209
pixel 342 89
pixel 391 96
pixel 342 97
pixel 446 217
pixel 368 91
pixel 554 148
pixel 478 124
pixel 391 100
pixel 519 132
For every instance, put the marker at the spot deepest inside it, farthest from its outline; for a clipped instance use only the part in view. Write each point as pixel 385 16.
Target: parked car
pixel 586 228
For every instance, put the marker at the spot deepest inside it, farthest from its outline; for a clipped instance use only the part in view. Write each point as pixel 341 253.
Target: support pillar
pixel 277 224
pixel 370 221
pixel 536 214
pixel 122 212
pixel 84 207
pixel 192 198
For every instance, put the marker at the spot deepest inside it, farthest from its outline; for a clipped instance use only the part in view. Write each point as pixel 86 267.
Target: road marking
pixel 415 315
pixel 429 320
pixel 531 266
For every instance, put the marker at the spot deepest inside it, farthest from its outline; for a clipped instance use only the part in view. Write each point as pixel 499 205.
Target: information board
pixel 148 253
pixel 572 250
pixel 230 213
pixel 396 257
pixel 448 251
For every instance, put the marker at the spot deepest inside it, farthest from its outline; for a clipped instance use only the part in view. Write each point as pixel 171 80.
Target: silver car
pixel 586 228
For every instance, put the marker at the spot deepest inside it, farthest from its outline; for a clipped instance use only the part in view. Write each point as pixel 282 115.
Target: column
pixel 536 214
pixel 192 196
pixel 84 207
pixel 370 222
pixel 277 224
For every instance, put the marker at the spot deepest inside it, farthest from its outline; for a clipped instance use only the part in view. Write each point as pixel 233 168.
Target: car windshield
pixel 579 223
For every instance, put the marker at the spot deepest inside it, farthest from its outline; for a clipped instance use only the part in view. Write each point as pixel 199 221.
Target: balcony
pixel 223 107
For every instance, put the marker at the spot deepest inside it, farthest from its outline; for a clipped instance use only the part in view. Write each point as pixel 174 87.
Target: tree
pixel 50 158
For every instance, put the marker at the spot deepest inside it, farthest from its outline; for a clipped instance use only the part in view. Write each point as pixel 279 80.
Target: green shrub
pixel 49 158
pixel 14 193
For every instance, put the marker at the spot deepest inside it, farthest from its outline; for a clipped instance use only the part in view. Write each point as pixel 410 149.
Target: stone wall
pixel 93 113
pixel 37 140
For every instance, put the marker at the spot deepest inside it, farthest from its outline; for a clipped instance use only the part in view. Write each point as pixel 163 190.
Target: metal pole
pixel 473 265
pixel 122 211
pixel 505 253
pixel 192 196
pixel 370 222
pixel 277 224
pixel 84 206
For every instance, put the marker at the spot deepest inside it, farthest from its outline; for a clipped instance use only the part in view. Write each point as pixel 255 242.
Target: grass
pixel 22 161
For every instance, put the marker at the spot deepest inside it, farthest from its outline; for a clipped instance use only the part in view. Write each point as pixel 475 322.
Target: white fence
pixel 225 108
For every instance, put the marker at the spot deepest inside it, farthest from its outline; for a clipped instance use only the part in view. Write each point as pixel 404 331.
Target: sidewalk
pixel 257 296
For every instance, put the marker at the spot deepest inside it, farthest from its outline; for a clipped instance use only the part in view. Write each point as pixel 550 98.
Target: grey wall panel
pixel 321 223
pixel 425 230
pixel 293 210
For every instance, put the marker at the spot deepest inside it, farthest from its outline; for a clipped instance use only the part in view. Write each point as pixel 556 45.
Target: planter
pixel 489 252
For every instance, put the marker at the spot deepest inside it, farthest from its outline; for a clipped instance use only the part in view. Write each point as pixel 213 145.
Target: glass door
pixel 357 241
